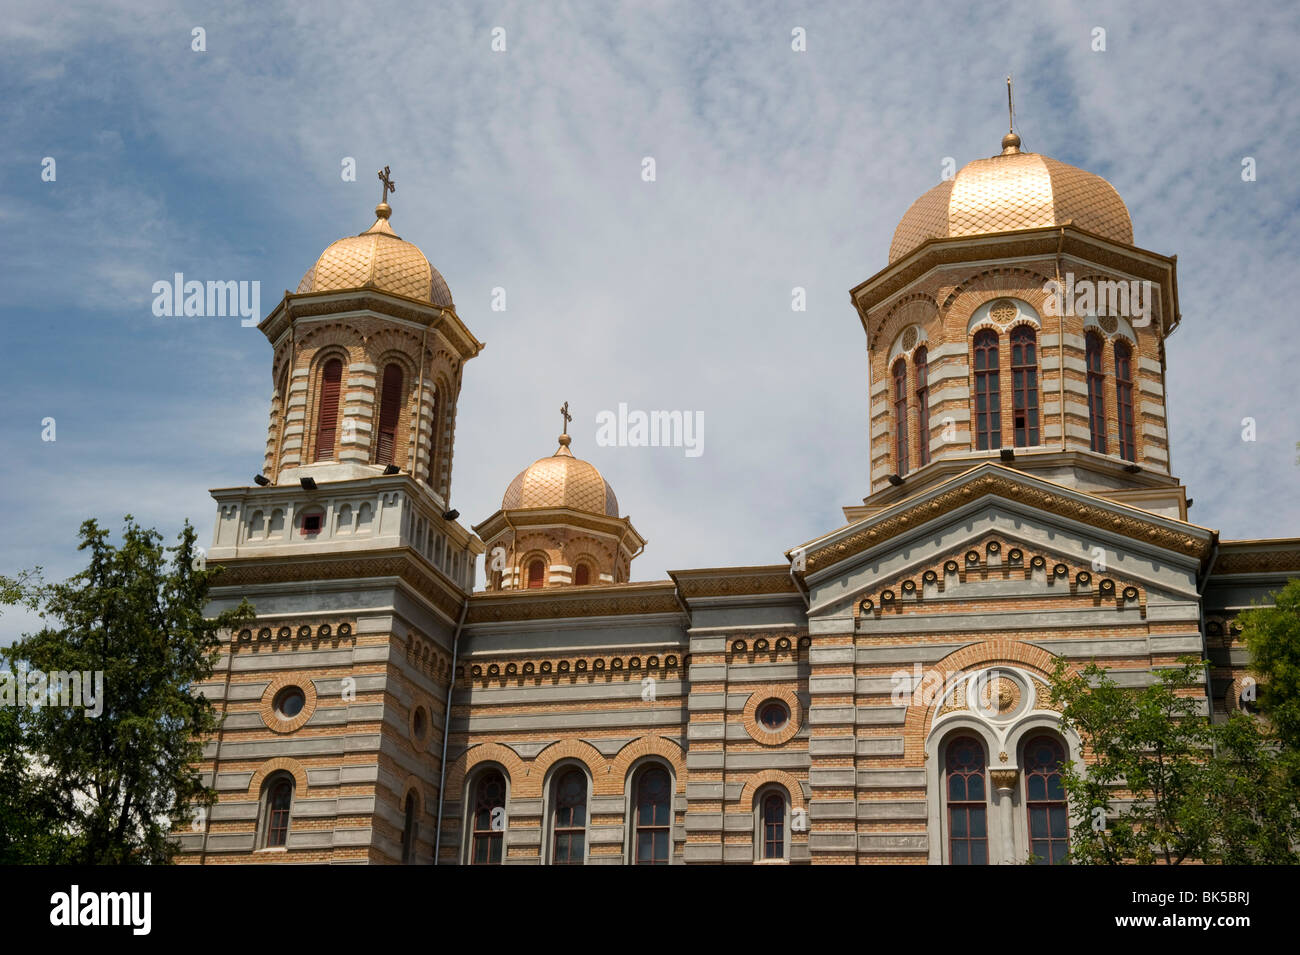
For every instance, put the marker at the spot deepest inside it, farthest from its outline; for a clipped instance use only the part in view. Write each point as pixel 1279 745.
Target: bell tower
pixel 1018 322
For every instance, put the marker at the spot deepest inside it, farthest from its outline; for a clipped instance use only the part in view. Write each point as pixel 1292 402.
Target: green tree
pixel 1272 635
pixel 123 779
pixel 1164 784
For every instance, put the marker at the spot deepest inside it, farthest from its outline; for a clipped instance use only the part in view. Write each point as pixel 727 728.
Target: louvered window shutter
pixel 328 418
pixel 390 406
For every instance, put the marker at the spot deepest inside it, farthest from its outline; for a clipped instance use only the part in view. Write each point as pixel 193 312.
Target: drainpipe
pixel 446 729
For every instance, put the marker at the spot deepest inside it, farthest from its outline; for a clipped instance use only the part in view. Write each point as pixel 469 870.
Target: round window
pixel 773 715
pixel 289 702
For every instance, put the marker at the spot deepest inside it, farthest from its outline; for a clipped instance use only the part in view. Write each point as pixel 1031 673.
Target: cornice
pixel 600 600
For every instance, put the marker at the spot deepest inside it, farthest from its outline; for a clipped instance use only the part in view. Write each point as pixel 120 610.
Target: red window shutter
pixel 535 572
pixel 582 575
pixel 390 407
pixel 328 418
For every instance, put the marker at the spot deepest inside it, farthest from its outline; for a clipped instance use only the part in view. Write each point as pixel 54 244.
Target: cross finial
pixel 564 412
pixel 1010 142
pixel 385 177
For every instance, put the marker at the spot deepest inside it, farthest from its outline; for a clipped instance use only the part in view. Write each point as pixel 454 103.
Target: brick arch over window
pixel 646 746
pixel 1003 651
pixel 503 756
pixel 575 749
pixel 919 308
pixel 281 764
pixel 760 779
pixel 975 290
pixel 328 402
pixel 414 784
pixel 441 429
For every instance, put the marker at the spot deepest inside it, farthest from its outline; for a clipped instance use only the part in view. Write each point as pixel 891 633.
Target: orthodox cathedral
pixel 876 695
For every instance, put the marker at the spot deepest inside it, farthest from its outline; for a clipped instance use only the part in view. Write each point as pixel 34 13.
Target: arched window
pixel 536 573
pixel 390 409
pixel 653 794
pixel 922 362
pixel 277 804
pixel 327 417
pixel 1024 384
pixel 410 829
pixel 968 833
pixel 988 395
pixel 487 840
pixel 569 818
pixel 1096 393
pixel 1045 800
pixel 434 429
pixel 772 810
pixel 900 416
pixel 1124 400
pixel 582 575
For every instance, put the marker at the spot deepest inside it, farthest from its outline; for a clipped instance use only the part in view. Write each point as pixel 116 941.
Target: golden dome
pixel 561 481
pixel 1010 191
pixel 377 258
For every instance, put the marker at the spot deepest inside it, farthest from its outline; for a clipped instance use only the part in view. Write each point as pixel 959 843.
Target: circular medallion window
pixel 773 715
pixel 289 702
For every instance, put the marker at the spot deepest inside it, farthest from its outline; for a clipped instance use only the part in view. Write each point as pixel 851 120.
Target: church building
pixel 876 695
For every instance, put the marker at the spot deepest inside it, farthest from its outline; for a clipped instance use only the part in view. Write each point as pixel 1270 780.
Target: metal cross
pixel 567 417
pixel 389 185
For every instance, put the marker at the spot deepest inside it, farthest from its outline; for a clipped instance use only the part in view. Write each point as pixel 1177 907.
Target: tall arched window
pixel 772 809
pixel 487 840
pixel 1024 384
pixel 582 575
pixel 1124 400
pixel 569 818
pixel 1096 393
pixel 968 832
pixel 327 417
pixel 653 796
pixel 278 802
pixel 390 409
pixel 410 828
pixel 536 573
pixel 988 395
pixel 921 360
pixel 900 416
pixel 434 429
pixel 1045 800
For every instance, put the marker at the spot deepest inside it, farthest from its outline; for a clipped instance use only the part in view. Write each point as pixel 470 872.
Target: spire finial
pixel 564 430
pixel 1010 142
pixel 384 210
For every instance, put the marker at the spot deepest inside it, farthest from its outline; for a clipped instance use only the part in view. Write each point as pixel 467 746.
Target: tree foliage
pixel 108 789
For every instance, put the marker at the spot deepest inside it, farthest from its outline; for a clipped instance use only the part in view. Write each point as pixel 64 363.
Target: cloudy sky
pixel 522 170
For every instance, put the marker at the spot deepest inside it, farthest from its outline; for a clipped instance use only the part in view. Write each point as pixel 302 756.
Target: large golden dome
pixel 561 481
pixel 1010 191
pixel 377 258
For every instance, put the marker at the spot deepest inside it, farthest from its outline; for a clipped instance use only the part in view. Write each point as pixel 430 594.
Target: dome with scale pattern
pixel 561 481
pixel 380 259
pixel 1013 190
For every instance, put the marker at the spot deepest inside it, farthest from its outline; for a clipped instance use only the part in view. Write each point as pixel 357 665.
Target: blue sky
pixel 521 170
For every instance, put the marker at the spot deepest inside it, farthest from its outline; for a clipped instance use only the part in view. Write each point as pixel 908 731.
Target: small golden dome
pixel 377 258
pixel 561 481
pixel 1014 190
